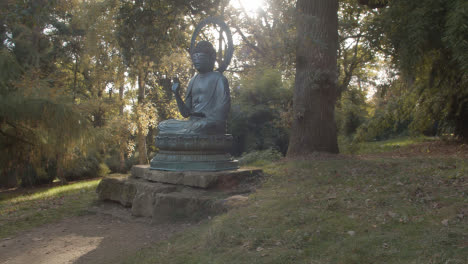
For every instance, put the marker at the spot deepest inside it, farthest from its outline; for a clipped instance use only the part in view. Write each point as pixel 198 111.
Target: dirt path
pixel 92 238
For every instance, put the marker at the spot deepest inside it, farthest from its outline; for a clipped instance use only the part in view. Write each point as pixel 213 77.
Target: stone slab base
pixel 202 179
pixel 165 202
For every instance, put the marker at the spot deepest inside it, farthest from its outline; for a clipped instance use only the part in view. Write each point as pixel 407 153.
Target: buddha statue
pixel 199 143
pixel 207 100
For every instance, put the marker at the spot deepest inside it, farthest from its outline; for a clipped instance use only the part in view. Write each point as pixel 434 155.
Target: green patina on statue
pixel 207 101
pixel 199 143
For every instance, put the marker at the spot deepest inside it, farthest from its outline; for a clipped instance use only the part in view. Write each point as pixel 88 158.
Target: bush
pixel 28 175
pixel 130 161
pixel 103 170
pixel 260 157
pixel 351 111
pixel 113 162
pixel 7 179
pixel 257 112
pixel 82 168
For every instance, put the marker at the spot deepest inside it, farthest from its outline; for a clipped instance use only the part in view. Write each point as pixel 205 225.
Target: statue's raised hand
pixel 176 88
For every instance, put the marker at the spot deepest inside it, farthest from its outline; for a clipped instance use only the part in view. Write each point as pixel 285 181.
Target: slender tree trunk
pixel 143 158
pixel 75 73
pixel 60 174
pixel 122 146
pixel 121 95
pixel 316 89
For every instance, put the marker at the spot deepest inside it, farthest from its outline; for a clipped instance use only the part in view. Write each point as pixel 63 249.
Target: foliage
pixel 389 118
pixel 357 58
pixel 86 167
pixel 428 42
pixel 260 157
pixel 351 111
pixel 259 105
pixel 38 120
pixel 268 38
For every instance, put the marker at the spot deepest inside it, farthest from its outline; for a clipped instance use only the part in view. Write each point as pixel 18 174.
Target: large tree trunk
pixel 313 126
pixel 141 137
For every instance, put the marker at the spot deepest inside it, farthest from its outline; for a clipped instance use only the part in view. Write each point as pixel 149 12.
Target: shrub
pixel 113 162
pixel 82 168
pixel 7 179
pixel 260 157
pixel 258 108
pixel 130 161
pixel 103 170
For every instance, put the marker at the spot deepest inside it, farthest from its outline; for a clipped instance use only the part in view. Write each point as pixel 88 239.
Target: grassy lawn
pixel 346 210
pixel 381 146
pixel 21 211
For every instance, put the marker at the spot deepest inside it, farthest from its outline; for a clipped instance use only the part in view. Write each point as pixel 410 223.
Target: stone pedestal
pixel 173 196
pixel 193 153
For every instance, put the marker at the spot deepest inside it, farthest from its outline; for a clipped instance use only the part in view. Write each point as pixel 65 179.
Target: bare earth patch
pixel 93 238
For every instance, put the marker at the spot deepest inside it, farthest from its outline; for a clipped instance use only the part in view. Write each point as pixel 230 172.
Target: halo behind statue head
pixel 230 49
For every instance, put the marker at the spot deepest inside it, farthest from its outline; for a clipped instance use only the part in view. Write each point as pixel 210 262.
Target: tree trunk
pixel 60 174
pixel 142 158
pixel 313 125
pixel 75 78
pixel 122 146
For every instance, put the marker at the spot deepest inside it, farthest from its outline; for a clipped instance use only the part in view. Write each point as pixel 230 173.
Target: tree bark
pixel 313 125
pixel 142 158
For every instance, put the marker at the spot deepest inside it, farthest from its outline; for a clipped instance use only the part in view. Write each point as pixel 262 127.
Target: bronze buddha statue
pixel 199 143
pixel 207 101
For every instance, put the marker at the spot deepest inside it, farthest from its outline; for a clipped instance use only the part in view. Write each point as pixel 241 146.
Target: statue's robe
pixel 207 93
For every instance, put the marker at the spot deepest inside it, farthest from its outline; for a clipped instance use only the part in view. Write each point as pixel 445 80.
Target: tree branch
pixel 250 44
pixel 374 3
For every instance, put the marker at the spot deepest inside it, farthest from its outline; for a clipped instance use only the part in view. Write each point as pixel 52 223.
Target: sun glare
pixel 250 6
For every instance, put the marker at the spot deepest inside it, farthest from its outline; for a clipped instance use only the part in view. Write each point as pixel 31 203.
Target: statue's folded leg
pixel 193 126
pixel 173 126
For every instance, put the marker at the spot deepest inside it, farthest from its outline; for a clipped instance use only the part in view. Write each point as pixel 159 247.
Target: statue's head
pixel 204 57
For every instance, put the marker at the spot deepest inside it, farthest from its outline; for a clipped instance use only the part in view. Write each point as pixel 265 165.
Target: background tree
pixel 39 122
pixel 315 93
pixel 268 38
pixel 427 41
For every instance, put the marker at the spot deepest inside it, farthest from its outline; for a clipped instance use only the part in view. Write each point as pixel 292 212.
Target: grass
pixel 20 211
pixel 381 146
pixel 346 210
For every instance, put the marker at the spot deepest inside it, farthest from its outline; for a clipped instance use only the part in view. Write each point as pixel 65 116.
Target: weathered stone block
pixel 177 196
pixel 118 188
pixel 189 204
pixel 143 201
pixel 201 179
